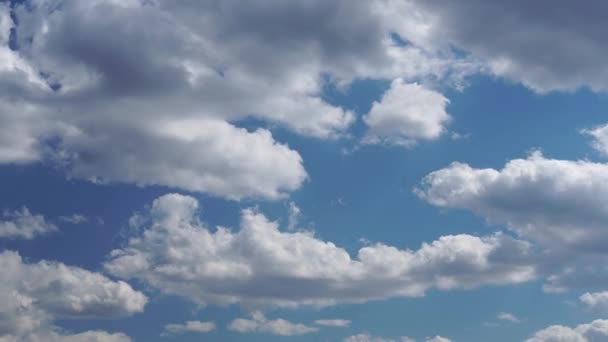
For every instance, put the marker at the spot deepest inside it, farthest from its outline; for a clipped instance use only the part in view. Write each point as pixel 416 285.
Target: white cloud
pixel 74 218
pixel 24 225
pixel 594 331
pixel 199 155
pixel 438 339
pixel 165 96
pixel 33 295
pixel 260 265
pixel 600 138
pixel 405 114
pixel 509 317
pixel 190 326
pixel 293 216
pixel 557 204
pixel 595 299
pixel 340 323
pixel 259 323
pixel 54 336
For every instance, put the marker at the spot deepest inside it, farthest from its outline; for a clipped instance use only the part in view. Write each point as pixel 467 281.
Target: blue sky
pixel 308 171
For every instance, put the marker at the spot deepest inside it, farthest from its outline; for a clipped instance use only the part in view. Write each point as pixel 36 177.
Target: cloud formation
pixel 594 331
pixel 188 327
pixel 260 265
pixel 22 224
pixel 405 114
pixel 259 324
pixel 557 204
pixel 33 295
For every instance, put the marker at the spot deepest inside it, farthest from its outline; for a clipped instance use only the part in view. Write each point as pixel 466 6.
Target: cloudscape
pixel 306 170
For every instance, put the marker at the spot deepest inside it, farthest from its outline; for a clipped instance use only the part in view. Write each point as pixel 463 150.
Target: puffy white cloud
pixel 405 114
pixel 600 138
pixel 557 204
pixel 594 331
pixel 24 225
pixel 595 299
pixel 32 295
pixel 190 326
pixel 260 265
pixel 259 323
pixel 199 155
pixel 509 317
pixel 340 323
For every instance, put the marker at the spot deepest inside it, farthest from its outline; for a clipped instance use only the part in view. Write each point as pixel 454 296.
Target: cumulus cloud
pixel 259 323
pixel 125 101
pixel 405 114
pixel 22 224
pixel 260 265
pixel 509 317
pixel 599 135
pixel 557 204
pixel 594 331
pixel 74 218
pixel 595 299
pixel 33 295
pixel 340 323
pixel 190 326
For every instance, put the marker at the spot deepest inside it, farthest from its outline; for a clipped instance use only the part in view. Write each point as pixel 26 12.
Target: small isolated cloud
pixel 74 219
pixel 259 324
pixel 339 323
pixel 22 224
pixel 508 317
pixel 369 338
pixel 294 216
pixel 599 135
pixel 405 114
pixel 190 326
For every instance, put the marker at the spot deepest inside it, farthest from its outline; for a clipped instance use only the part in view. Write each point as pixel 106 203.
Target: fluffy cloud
pixel 149 100
pixel 532 39
pixel 594 331
pixel 600 138
pixel 259 323
pixel 341 323
pixel 264 266
pixel 406 113
pixel 557 204
pixel 24 225
pixel 33 295
pixel 595 299
pixel 505 316
pixel 190 326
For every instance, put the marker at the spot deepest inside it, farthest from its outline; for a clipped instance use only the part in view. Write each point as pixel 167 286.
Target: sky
pixel 351 171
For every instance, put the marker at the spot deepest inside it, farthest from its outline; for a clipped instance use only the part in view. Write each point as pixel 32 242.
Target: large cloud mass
pixel 262 265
